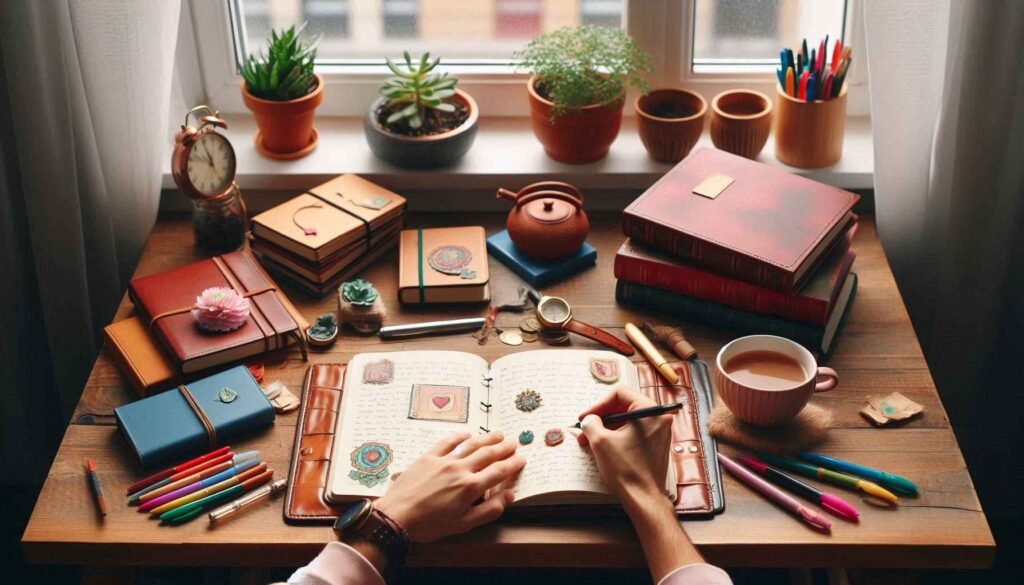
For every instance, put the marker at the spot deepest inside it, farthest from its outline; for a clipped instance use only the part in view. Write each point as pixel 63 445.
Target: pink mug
pixel 770 407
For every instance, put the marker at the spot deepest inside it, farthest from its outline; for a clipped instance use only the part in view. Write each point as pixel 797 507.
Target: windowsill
pixel 505 153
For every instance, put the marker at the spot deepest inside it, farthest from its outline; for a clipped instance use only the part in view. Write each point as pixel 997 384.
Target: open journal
pixel 397 405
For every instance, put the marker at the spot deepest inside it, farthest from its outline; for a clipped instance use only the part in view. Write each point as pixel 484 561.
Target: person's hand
pixel 440 493
pixel 632 458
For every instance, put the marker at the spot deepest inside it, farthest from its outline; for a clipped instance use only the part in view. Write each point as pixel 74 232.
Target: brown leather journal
pixel 698 479
pixel 443 265
pixel 141 360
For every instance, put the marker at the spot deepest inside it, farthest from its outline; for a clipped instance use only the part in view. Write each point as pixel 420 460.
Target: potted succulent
pixel 421 120
pixel 670 122
pixel 578 83
pixel 283 93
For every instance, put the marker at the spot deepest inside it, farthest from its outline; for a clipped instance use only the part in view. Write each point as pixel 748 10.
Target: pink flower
pixel 220 309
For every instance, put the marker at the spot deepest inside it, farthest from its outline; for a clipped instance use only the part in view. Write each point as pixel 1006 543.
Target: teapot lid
pixel 549 210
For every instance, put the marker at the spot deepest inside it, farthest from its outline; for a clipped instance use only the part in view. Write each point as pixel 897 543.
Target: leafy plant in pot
pixel 282 92
pixel 421 120
pixel 578 83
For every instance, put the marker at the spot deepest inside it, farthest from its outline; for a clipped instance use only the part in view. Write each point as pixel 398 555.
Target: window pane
pixel 751 32
pixel 460 31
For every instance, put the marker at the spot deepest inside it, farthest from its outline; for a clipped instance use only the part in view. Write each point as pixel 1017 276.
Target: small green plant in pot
pixel 421 119
pixel 578 86
pixel 283 92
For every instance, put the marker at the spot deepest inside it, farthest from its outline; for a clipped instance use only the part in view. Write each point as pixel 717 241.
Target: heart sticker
pixel 441 401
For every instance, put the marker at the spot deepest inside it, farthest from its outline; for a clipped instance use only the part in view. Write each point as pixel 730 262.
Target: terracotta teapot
pixel 548 221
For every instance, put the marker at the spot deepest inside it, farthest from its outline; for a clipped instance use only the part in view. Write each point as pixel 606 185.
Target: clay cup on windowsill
pixel 575 137
pixel 670 122
pixel 285 128
pixel 740 121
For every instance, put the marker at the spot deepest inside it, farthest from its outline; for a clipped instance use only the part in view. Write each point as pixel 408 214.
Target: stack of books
pixel 328 234
pixel 728 242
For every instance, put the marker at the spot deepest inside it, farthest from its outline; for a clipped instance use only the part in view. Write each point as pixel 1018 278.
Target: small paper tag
pixel 713 186
pixel 891 408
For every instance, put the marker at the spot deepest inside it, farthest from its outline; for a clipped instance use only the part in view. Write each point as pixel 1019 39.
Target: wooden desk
pixel 877 353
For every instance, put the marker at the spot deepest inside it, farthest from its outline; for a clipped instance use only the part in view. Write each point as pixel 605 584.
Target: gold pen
pixel 650 352
pixel 247 501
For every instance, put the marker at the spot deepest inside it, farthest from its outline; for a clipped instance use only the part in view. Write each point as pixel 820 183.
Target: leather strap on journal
pixel 366 224
pixel 211 432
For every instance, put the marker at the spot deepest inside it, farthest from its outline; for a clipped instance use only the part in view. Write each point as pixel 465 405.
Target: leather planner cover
pixel 767 226
pixel 141 360
pixel 198 417
pixel 272 318
pixel 698 478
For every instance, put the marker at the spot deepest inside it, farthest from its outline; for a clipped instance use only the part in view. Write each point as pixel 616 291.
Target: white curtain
pixel 947 106
pixel 88 85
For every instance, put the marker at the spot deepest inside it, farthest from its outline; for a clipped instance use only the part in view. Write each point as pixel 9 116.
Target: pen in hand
pixel 612 419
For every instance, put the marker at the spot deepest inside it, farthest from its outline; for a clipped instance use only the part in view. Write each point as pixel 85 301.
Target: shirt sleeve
pixel 337 564
pixel 697 574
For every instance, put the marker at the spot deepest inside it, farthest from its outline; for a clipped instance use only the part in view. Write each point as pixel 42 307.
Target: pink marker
pixel 833 504
pixel 775 494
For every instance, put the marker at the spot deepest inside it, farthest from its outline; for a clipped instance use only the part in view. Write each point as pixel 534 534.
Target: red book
pixel 766 226
pixel 814 303
pixel 272 318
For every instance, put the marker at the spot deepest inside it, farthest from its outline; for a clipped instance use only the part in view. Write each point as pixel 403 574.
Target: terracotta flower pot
pixel 740 121
pixel 671 121
pixel 576 137
pixel 286 128
pixel 423 152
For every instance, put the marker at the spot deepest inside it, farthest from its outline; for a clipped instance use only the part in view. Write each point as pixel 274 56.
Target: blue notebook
pixel 534 271
pixel 165 427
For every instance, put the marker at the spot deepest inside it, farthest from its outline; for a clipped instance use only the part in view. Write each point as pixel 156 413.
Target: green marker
pixel 833 477
pixel 191 510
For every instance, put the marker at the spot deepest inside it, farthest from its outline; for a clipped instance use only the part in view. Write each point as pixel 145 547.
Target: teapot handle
pixel 562 195
pixel 507 195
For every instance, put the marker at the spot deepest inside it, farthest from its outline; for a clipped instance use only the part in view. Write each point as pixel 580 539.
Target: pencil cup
pixel 809 135
pixel 740 121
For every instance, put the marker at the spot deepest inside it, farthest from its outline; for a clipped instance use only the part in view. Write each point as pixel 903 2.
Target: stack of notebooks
pixel 328 234
pixel 728 242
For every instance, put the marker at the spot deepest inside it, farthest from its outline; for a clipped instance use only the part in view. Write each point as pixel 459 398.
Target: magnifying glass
pixel 555 313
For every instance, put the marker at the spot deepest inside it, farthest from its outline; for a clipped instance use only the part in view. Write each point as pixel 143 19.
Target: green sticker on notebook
pixel 227 395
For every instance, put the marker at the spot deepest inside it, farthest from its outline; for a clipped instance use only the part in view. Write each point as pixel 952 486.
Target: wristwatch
pixel 555 313
pixel 365 521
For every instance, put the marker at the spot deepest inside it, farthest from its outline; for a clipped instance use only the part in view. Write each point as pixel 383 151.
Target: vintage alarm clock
pixel 203 167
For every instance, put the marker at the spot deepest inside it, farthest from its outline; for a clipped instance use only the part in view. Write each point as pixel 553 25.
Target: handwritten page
pixel 415 407
pixel 566 386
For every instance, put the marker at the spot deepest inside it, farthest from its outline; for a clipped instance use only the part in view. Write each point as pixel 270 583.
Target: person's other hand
pixel 632 458
pixel 440 493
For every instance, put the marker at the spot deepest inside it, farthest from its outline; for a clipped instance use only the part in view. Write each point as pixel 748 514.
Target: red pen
pixel 802 86
pixel 135 498
pixel 142 483
pixel 836 52
pixel 832 504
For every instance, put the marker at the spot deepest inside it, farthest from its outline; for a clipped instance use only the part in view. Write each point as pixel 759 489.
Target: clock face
pixel 211 164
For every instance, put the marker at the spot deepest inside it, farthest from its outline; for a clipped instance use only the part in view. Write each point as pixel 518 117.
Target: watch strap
pixel 599 335
pixel 382 531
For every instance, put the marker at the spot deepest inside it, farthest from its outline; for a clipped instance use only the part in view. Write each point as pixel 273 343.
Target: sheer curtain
pixel 947 104
pixel 86 87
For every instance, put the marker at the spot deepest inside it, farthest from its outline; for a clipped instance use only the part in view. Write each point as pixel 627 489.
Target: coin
pixel 511 338
pixel 528 337
pixel 530 325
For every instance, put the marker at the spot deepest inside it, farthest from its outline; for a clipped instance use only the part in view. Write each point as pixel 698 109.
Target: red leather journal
pixel 165 296
pixel 766 226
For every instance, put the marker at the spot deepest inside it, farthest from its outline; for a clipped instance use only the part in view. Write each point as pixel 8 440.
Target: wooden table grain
pixel 877 353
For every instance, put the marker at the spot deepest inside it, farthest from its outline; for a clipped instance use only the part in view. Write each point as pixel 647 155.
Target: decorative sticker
pixel 604 370
pixel 452 260
pixel 379 372
pixel 553 437
pixel 528 401
pixel 227 395
pixel 525 437
pixel 439 402
pixel 370 463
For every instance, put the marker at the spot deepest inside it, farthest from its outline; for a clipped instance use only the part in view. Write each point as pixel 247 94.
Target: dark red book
pixel 814 303
pixel 755 223
pixel 272 318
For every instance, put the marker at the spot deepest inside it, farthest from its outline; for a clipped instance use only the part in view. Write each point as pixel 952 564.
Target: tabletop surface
pixel 877 353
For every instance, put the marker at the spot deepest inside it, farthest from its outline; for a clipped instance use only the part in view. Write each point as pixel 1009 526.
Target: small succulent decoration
pixel 285 72
pixel 324 327
pixel 359 292
pixel 415 89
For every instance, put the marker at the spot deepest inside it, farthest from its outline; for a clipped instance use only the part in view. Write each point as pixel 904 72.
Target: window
pixel 707 45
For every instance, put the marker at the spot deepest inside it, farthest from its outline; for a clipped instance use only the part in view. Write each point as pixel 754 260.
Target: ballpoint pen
pixel 647 348
pixel 832 504
pixel 775 494
pixel 206 487
pixel 888 480
pixel 193 509
pixel 612 419
pixel 832 477
pixel 247 501
pixel 161 475
pixel 198 473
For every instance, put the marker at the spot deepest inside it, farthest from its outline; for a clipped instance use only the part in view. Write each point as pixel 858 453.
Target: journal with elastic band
pixel 195 417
